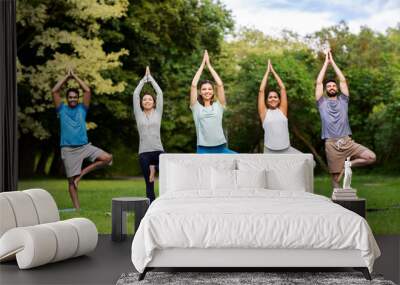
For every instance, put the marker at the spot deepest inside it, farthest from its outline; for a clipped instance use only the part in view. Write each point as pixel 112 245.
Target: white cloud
pixel 307 16
pixel 272 22
pixel 378 21
pixel 369 7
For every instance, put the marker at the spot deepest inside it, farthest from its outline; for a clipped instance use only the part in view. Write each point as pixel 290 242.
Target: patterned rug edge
pixel 244 278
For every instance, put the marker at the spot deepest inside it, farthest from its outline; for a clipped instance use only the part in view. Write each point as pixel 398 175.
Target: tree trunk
pixel 26 159
pixel 44 157
pixel 56 168
pixel 302 137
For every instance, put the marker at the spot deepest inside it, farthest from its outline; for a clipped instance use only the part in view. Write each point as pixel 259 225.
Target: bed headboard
pixel 284 163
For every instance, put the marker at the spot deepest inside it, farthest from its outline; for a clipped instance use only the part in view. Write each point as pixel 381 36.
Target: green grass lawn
pixel 94 196
pixel 383 199
pixel 381 192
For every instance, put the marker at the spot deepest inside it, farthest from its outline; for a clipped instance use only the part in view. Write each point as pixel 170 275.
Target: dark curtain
pixel 8 97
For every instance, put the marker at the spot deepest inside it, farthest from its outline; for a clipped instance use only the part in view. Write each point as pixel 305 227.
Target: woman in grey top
pixel 273 116
pixel 148 112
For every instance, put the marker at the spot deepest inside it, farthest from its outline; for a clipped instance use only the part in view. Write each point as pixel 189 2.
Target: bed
pixel 247 210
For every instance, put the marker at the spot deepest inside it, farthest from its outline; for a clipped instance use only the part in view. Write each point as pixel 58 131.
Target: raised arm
pixel 262 109
pixel 159 103
pixel 195 81
pixel 319 88
pixel 284 102
pixel 55 92
pixel 343 84
pixel 218 81
pixel 86 90
pixel 136 96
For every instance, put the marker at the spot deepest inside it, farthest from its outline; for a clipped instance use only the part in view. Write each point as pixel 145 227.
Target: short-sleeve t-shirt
pixel 208 122
pixel 72 125
pixel 334 117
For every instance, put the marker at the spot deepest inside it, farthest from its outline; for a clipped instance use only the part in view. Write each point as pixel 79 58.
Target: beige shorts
pixel 337 150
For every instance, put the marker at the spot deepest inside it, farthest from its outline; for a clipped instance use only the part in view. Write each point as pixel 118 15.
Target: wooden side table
pixel 119 207
pixel 358 206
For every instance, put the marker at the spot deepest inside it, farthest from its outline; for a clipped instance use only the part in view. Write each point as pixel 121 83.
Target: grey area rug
pixel 229 278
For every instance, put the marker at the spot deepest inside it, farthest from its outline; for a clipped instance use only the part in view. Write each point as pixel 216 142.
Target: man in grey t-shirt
pixel 336 131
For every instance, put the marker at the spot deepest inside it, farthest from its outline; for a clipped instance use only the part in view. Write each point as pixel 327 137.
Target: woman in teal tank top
pixel 207 114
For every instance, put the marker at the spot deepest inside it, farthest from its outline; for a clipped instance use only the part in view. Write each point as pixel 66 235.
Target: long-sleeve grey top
pixel 148 124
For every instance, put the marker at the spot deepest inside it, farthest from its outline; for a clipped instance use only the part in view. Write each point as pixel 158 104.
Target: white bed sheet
pixel 251 218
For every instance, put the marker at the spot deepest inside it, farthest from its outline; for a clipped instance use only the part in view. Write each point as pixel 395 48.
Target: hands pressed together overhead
pixel 70 73
pixel 206 59
pixel 147 73
pixel 329 57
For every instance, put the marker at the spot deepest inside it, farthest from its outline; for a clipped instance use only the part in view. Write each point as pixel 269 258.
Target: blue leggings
pixel 214 149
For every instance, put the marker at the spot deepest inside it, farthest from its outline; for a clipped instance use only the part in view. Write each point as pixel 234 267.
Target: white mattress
pixel 253 218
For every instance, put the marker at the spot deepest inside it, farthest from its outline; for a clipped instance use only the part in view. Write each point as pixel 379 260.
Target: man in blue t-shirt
pixel 74 141
pixel 336 132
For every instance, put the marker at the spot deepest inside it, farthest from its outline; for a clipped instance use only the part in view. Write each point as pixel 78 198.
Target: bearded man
pixel 333 109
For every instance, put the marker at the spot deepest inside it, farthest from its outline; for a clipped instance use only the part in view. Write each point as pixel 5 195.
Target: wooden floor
pixel 111 259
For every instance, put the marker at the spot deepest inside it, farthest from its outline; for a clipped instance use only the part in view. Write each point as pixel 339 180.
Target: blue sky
pixel 307 16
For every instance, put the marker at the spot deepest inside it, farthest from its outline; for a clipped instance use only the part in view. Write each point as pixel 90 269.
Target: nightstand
pixel 119 207
pixel 358 206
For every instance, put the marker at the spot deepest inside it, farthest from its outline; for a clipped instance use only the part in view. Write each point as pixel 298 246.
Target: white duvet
pixel 250 219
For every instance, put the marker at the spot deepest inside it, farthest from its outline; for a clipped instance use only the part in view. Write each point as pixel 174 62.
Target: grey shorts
pixel 73 157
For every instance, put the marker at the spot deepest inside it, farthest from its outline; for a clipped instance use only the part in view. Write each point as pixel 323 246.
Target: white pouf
pixel 31 233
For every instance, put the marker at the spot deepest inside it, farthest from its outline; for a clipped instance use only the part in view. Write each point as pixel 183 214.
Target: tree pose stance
pixel 336 132
pixel 148 112
pixel 74 141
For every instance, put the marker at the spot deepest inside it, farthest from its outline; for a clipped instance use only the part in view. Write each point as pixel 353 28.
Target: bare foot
pixel 152 173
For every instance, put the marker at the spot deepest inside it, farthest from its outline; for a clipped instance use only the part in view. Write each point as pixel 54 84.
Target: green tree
pixel 384 118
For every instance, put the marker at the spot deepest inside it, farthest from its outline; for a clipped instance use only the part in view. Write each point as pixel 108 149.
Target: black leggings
pixel 146 159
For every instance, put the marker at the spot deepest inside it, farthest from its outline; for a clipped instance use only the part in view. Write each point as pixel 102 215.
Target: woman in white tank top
pixel 273 115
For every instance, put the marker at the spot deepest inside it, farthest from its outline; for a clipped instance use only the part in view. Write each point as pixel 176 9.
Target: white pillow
pixel 184 177
pixel 281 174
pixel 223 179
pixel 292 179
pixel 251 178
pixel 194 174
